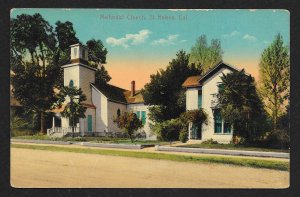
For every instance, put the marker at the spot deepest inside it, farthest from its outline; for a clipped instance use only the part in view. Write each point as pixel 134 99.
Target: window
pixel 218 121
pixel 75 52
pixel 143 118
pixel 200 98
pixel 118 113
pixel 71 83
pixel 138 113
pixel 220 87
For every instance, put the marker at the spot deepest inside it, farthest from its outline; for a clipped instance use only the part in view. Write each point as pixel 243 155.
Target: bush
pixel 183 136
pixel 210 141
pixel 278 139
pixel 168 130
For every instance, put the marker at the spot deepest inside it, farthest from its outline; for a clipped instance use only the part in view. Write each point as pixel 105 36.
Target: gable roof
pixel 117 94
pixel 194 81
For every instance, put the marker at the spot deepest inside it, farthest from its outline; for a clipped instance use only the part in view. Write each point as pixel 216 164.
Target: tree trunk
pixel 131 138
pixel 43 130
pixel 276 107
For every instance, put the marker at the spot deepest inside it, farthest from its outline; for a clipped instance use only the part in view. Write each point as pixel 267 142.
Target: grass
pixel 91 139
pixel 256 163
pixel 233 147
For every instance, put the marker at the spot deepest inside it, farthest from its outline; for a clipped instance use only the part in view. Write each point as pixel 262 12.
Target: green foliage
pixel 278 138
pixel 97 57
pixel 74 108
pixel 129 122
pixel 66 35
pixel 210 141
pixel 274 73
pixel 205 56
pixel 35 61
pixel 165 91
pixel 241 105
pixel 183 136
pixel 169 129
pixel 97 52
pixel 197 117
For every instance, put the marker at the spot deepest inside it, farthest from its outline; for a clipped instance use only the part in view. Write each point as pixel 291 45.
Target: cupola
pixel 79 53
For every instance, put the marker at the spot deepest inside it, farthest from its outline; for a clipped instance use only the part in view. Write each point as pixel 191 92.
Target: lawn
pixel 233 147
pixel 92 139
pixel 256 163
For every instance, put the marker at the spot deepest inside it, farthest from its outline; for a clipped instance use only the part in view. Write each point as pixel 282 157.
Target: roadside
pixel 43 169
pixel 151 154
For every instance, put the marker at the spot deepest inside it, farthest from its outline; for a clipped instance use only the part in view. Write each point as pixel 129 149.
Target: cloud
pixel 232 34
pixel 249 37
pixel 129 39
pixel 166 41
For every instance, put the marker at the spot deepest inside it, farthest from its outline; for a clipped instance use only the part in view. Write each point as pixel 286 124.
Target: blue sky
pixel 141 41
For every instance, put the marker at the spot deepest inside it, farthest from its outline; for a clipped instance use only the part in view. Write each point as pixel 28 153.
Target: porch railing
pixel 61 131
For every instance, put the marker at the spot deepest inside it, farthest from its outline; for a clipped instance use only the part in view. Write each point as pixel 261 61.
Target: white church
pixel 102 103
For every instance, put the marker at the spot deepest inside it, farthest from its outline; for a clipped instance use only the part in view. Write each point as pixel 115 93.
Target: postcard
pixel 149 98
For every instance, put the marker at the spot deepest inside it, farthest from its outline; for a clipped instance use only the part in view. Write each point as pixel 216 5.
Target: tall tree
pixel 241 105
pixel 97 57
pixel 164 90
pixel 274 73
pixel 74 109
pixel 205 56
pixel 35 63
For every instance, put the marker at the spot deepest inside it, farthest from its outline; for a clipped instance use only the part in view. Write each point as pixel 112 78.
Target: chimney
pixel 132 88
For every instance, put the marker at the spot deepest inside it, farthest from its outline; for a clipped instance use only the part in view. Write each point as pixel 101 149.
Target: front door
pixel 90 123
pixel 196 133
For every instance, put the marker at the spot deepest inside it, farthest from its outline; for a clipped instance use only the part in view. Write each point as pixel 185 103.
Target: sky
pixel 140 42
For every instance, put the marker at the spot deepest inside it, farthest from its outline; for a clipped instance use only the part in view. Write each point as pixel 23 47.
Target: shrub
pixel 210 141
pixel 183 136
pixel 168 130
pixel 278 139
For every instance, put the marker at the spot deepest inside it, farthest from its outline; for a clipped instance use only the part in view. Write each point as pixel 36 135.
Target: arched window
pixel 71 84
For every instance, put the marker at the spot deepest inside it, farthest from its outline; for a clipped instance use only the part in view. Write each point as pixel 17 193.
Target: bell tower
pixel 78 73
pixel 79 53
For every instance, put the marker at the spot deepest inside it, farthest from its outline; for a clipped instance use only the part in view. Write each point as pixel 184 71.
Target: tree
pixel 32 46
pixel 241 105
pixel 205 56
pixel 74 108
pixel 129 122
pixel 165 88
pixel 97 52
pixel 66 35
pixel 97 57
pixel 274 73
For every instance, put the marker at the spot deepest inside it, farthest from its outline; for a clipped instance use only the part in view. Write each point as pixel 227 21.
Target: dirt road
pixel 43 169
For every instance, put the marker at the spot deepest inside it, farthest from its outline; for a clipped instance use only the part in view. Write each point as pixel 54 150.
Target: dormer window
pixel 71 84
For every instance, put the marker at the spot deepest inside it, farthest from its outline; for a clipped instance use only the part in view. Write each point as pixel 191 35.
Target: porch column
pixel 53 122
pixel 189 131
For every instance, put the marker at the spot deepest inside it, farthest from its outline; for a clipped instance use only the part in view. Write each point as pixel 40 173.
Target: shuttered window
pixel 199 98
pixel 218 121
pixel 143 118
